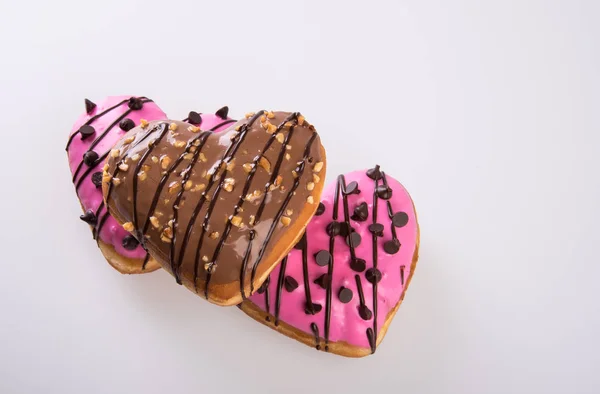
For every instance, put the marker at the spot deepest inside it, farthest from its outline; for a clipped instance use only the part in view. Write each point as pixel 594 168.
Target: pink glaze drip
pixel 89 195
pixel 345 322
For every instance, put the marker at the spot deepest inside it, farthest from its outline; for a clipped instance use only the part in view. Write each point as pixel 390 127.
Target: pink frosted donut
pixel 93 135
pixel 340 287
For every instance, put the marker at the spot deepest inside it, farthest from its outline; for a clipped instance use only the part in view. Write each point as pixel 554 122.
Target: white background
pixel 487 111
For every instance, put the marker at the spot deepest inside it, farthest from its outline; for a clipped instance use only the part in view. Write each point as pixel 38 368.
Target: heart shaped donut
pixel 91 139
pixel 217 211
pixel 340 287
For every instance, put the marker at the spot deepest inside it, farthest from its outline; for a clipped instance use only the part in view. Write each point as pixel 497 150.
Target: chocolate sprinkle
pixel 130 242
pixel 345 295
pixel 392 246
pixel 376 229
pixel 290 284
pixel 126 124
pixel 320 209
pixel 322 281
pixel 352 188
pixel 89 106
pixel 263 287
pixel 374 173
pixel 323 258
pixel 400 219
pixel 86 131
pixel 135 103
pixel 373 275
pixel 353 240
pixel 223 112
pixel 361 212
pixel 194 118
pixel 384 192
pixel 89 217
pixel 302 243
pixel 97 179
pixel 90 158
pixel 333 229
pixel 364 312
pixel 313 309
pixel 358 264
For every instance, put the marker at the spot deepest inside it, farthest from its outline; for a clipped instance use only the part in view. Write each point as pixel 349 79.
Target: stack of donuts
pixel 238 212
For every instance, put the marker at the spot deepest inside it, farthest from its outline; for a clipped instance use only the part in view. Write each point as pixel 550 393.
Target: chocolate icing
pixel 244 183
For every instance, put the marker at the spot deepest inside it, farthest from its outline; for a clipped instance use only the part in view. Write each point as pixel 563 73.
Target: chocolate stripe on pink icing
pixel 348 318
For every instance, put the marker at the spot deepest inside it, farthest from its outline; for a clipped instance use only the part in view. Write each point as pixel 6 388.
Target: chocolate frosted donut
pixel 218 211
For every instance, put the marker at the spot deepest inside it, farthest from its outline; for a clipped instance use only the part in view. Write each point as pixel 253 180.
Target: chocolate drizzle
pixel 392 246
pixel 372 334
pixel 279 287
pixel 315 329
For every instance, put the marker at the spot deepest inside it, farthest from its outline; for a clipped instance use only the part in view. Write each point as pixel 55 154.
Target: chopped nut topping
pixel 287 156
pixel 288 147
pixel 270 115
pixel 263 119
pixel 310 200
pixel 210 267
pixel 105 168
pixel 154 159
pixel 202 157
pixel 188 156
pixel 173 126
pixel 167 234
pixel 205 258
pixel 288 124
pixel 165 161
pixel 135 157
pixel 251 220
pixel 174 187
pixel 316 178
pixel 192 149
pixel 116 181
pixel 249 115
pixel 301 120
pixel 193 129
pixel 231 165
pixel 195 143
pixel 247 167
pixel 146 167
pixel 310 186
pixel 123 167
pixel 115 153
pixel 199 187
pixel 238 128
pixel 289 212
pixel 143 123
pixel 128 140
pixel 228 184
pixel 154 221
pixel 280 138
pixel 253 196
pixel 272 187
pixel 128 226
pixel 214 235
pixel 278 180
pixel 286 221
pixel 264 163
pixel 295 174
pixel 159 214
pixel 236 221
pixel 271 128
pixel 179 144
pixel 188 185
pixel 318 167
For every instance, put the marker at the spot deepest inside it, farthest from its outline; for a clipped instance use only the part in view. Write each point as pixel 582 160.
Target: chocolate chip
pixel 320 209
pixel 194 118
pixel 352 188
pixel 361 212
pixel 135 103
pixel 333 229
pixel 223 112
pixel 392 246
pixel 353 240
pixel 126 124
pixel 302 243
pixel 374 173
pixel 376 229
pixel 86 131
pixel 323 258
pixel 364 312
pixel 384 192
pixel 97 179
pixel 358 264
pixel 89 217
pixel 345 295
pixel 89 106
pixel 90 158
pixel 263 287
pixel 322 281
pixel 373 275
pixel 290 284
pixel 130 242
pixel 400 219
pixel 312 309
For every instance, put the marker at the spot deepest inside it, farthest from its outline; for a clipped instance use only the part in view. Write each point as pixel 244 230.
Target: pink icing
pixel 91 196
pixel 345 322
